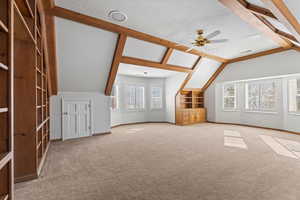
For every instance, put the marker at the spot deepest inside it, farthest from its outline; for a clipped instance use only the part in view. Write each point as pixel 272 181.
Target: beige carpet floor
pixel 166 162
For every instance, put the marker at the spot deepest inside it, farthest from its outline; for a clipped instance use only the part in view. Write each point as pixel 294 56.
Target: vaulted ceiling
pixel 94 52
pixel 177 21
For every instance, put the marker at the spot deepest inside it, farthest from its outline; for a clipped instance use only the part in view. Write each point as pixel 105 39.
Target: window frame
pixel 260 109
pixel 160 98
pixel 235 98
pixel 297 112
pixel 116 96
pixel 135 109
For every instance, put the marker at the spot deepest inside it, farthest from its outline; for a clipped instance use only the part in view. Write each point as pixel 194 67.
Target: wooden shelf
pixel 37 69
pixel 25 8
pixel 4 67
pixel 4 159
pixel 39 145
pixel 3 110
pixel 21 30
pixel 4 197
pixel 38 31
pixel 3 27
pixel 42 124
pixel 39 52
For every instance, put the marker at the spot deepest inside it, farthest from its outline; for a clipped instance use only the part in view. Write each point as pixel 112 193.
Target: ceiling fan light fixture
pixel 117 16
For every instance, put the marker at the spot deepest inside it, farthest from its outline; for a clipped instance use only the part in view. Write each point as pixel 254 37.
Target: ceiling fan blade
pixel 213 34
pixel 190 49
pixel 219 41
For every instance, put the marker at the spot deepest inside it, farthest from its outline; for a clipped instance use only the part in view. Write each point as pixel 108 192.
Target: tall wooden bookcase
pixel 6 101
pixel 190 107
pixel 31 119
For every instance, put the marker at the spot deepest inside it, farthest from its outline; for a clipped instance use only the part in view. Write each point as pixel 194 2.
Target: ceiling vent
pixel 117 16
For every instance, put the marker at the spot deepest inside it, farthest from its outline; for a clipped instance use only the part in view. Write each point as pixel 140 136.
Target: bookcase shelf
pixel 25 8
pixel 3 67
pixel 190 107
pixel 3 27
pixel 4 197
pixel 31 92
pixel 6 103
pixel 21 27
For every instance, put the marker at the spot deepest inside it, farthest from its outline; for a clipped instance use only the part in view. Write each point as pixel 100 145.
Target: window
pixel 115 98
pixel 156 97
pixel 294 95
pixel 261 96
pixel 135 97
pixel 229 97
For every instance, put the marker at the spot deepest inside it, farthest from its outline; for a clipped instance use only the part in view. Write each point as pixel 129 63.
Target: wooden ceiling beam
pixel 190 75
pixel 50 41
pixel 260 54
pixel 279 32
pixel 147 63
pixel 240 9
pixel 259 10
pixel 214 76
pixel 95 22
pixel 167 56
pixel 115 64
pixel 284 15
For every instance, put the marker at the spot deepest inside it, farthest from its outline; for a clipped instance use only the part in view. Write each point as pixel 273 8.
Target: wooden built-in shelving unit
pixel 6 102
pixel 31 92
pixel 190 107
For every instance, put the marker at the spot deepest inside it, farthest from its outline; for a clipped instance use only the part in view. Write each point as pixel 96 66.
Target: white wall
pixel 205 69
pixel 124 116
pixel 172 86
pixel 100 110
pixel 268 66
pixel 84 55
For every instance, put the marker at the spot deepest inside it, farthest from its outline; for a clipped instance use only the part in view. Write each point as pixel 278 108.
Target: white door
pixel 76 119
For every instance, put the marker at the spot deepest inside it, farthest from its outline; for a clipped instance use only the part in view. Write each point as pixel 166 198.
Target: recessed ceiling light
pixel 117 15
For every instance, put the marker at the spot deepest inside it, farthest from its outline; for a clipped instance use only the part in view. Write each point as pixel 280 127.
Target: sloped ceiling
pixel 182 59
pixel 144 50
pixel 84 56
pixel 205 70
pixel 139 71
pixel 177 20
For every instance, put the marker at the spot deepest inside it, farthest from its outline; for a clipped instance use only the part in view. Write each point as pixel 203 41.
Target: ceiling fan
pixel 202 40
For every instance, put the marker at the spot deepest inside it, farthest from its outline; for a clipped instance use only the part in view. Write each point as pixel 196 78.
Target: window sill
pixel 136 110
pixel 231 110
pixel 297 114
pixel 262 112
pixel 156 109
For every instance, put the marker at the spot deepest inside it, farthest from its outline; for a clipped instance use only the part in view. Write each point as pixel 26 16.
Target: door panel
pixel 76 119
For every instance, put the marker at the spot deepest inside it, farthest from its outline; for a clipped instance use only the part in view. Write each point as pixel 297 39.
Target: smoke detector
pixel 117 16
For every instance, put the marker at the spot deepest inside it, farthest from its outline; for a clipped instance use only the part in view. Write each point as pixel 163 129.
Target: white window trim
pixel 117 96
pixel 161 98
pixel 297 113
pixel 275 111
pixel 144 98
pixel 235 109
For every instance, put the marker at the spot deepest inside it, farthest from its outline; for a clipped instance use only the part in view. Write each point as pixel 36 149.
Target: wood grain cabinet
pixel 190 107
pixel 31 97
pixel 6 102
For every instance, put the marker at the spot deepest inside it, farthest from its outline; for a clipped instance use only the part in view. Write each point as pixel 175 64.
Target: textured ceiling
pixel 177 20
pixel 133 70
pixel 83 62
